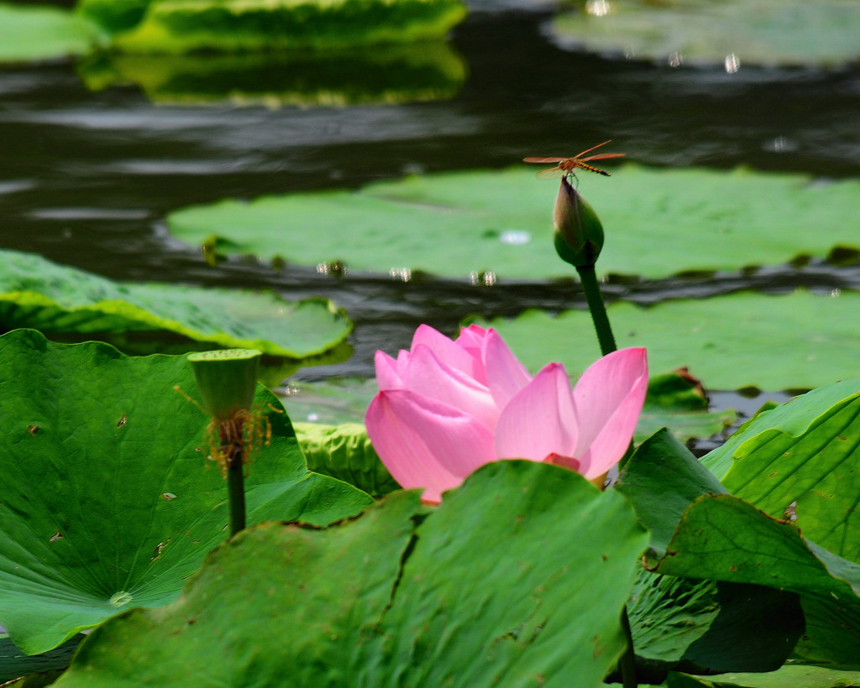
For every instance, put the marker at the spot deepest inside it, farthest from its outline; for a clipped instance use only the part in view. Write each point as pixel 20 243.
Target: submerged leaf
pixel 401 73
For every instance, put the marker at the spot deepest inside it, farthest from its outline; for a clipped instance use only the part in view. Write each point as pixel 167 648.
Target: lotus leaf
pixel 108 498
pixel 486 590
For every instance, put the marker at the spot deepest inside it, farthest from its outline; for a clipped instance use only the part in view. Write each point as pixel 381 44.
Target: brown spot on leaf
pixel 160 546
pixel 599 647
pixel 33 429
pixel 121 421
pixel 56 536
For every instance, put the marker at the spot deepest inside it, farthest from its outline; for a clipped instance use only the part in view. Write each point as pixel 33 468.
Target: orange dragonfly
pixel 567 166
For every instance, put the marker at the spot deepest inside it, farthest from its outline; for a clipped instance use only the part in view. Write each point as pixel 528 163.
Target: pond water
pixel 87 177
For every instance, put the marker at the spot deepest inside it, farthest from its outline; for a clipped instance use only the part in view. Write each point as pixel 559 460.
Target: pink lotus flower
pixel 447 407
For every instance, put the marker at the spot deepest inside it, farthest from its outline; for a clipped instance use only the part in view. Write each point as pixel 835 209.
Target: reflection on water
pixel 398 74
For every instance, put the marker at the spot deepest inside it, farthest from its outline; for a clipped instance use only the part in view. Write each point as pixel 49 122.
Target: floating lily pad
pixel 59 300
pixel 487 590
pixel 43 32
pixel 657 223
pixel 730 32
pixel 108 499
pixel 177 26
pixel 400 73
pixel 796 341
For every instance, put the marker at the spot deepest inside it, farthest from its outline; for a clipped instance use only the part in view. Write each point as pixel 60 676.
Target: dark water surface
pixel 86 178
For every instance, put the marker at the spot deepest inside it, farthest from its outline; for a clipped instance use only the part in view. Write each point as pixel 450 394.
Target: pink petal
pixel 424 443
pixel 431 378
pixel 471 340
pixel 387 376
pixel 472 337
pixel 445 349
pixel 540 420
pixel 505 374
pixel 608 399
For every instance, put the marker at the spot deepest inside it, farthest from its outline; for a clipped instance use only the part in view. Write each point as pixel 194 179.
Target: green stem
pixel 594 297
pixel 628 659
pixel 236 490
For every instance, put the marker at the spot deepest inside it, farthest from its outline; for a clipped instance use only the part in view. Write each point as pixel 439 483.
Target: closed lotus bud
pixel 578 232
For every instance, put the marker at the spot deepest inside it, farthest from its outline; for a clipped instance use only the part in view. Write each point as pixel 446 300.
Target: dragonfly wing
pixel 545 161
pixel 603 156
pixel 588 150
pixel 551 173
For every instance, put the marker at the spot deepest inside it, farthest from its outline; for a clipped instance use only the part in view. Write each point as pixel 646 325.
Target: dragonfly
pixel 567 166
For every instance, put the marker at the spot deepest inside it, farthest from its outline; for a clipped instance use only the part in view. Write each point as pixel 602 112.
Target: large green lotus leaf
pixel 795 341
pixel 705 626
pixel 44 33
pixel 61 301
pixel 802 458
pixel 710 627
pixel 658 222
pixel 400 73
pixel 832 634
pixel 108 498
pixel 177 26
pixel 733 33
pixel 517 579
pixel 345 452
pixel 724 538
pixel 661 480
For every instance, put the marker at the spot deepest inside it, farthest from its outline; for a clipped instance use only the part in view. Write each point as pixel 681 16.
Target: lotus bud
pixel 578 233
